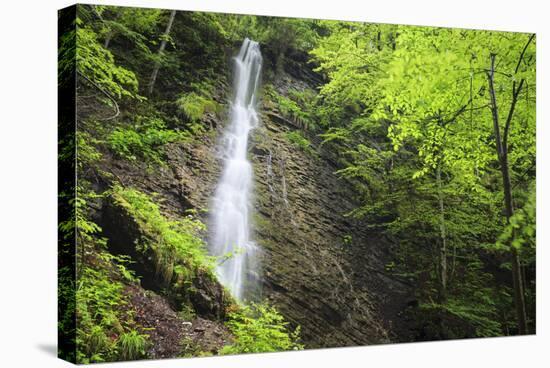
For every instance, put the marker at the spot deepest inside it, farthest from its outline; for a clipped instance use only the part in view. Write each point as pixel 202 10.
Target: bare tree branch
pixel 117 110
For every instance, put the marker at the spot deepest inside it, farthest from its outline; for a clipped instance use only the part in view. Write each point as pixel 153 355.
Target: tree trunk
pixel 502 153
pixel 155 72
pixel 443 245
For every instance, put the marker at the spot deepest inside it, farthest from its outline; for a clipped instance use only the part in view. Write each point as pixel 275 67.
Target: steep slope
pixel 321 269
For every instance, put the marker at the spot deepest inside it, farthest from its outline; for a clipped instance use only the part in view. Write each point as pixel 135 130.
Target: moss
pixel 300 141
pixel 179 252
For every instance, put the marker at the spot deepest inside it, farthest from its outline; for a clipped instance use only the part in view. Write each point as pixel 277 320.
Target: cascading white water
pixel 231 234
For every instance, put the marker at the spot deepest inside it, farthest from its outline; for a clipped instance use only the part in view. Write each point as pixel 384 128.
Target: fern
pixel 132 345
pixel 176 244
pixel 145 140
pixel 259 328
pixel 195 104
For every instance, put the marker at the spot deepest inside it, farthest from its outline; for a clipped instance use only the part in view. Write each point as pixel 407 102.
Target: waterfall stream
pixel 231 234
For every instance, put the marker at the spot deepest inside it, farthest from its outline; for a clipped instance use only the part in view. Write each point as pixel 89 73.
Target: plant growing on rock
pixel 144 140
pixel 132 345
pixel 298 139
pixel 260 328
pixel 179 251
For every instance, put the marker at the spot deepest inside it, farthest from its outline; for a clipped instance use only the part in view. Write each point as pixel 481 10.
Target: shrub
pixel 100 308
pixel 300 141
pixel 260 328
pixel 195 105
pixel 144 141
pixel 132 345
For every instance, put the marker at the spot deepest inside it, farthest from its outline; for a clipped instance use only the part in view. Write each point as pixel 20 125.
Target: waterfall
pixel 231 239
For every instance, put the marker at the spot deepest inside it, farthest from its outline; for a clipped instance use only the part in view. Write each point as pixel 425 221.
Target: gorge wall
pixel 322 270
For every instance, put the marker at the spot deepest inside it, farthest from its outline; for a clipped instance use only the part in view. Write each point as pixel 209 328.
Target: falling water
pixel 231 236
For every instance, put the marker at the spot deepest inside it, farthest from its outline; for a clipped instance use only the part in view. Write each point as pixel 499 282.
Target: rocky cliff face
pixel 322 270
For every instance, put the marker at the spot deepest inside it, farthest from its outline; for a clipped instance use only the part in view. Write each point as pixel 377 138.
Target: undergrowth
pixel 144 140
pixel 194 106
pixel 103 317
pixel 178 250
pixel 259 328
pixel 298 139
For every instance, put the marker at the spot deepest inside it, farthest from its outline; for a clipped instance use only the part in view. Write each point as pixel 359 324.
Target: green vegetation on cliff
pixel 179 252
pixel 432 128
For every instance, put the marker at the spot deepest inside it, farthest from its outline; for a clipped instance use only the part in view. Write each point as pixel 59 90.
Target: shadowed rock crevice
pixel 125 234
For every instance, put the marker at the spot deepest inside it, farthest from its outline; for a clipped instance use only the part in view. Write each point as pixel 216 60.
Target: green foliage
pixel 100 302
pixel 469 320
pixel 101 315
pixel 98 65
pixel 86 151
pixel 296 138
pixel 132 345
pixel 298 107
pixel 177 246
pixel 195 105
pixel 520 232
pixel 67 52
pixel 405 109
pixel 187 312
pixel 351 56
pixel 144 140
pixel 80 223
pixel 259 328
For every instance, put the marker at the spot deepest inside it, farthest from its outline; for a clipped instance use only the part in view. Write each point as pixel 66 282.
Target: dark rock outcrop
pixel 125 233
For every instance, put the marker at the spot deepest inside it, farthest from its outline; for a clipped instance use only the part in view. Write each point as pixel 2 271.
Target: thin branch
pixel 117 110
pixel 519 180
pixel 523 52
pixel 494 108
pixel 515 93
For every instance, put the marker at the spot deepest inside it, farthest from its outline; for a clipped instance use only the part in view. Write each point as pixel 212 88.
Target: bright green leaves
pixel 434 92
pixel 259 328
pixel 132 345
pixel 351 57
pixel 195 104
pixel 406 110
pixel 97 64
pixel 173 242
pixel 144 140
pixel 423 77
pixel 104 323
pixel 520 232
